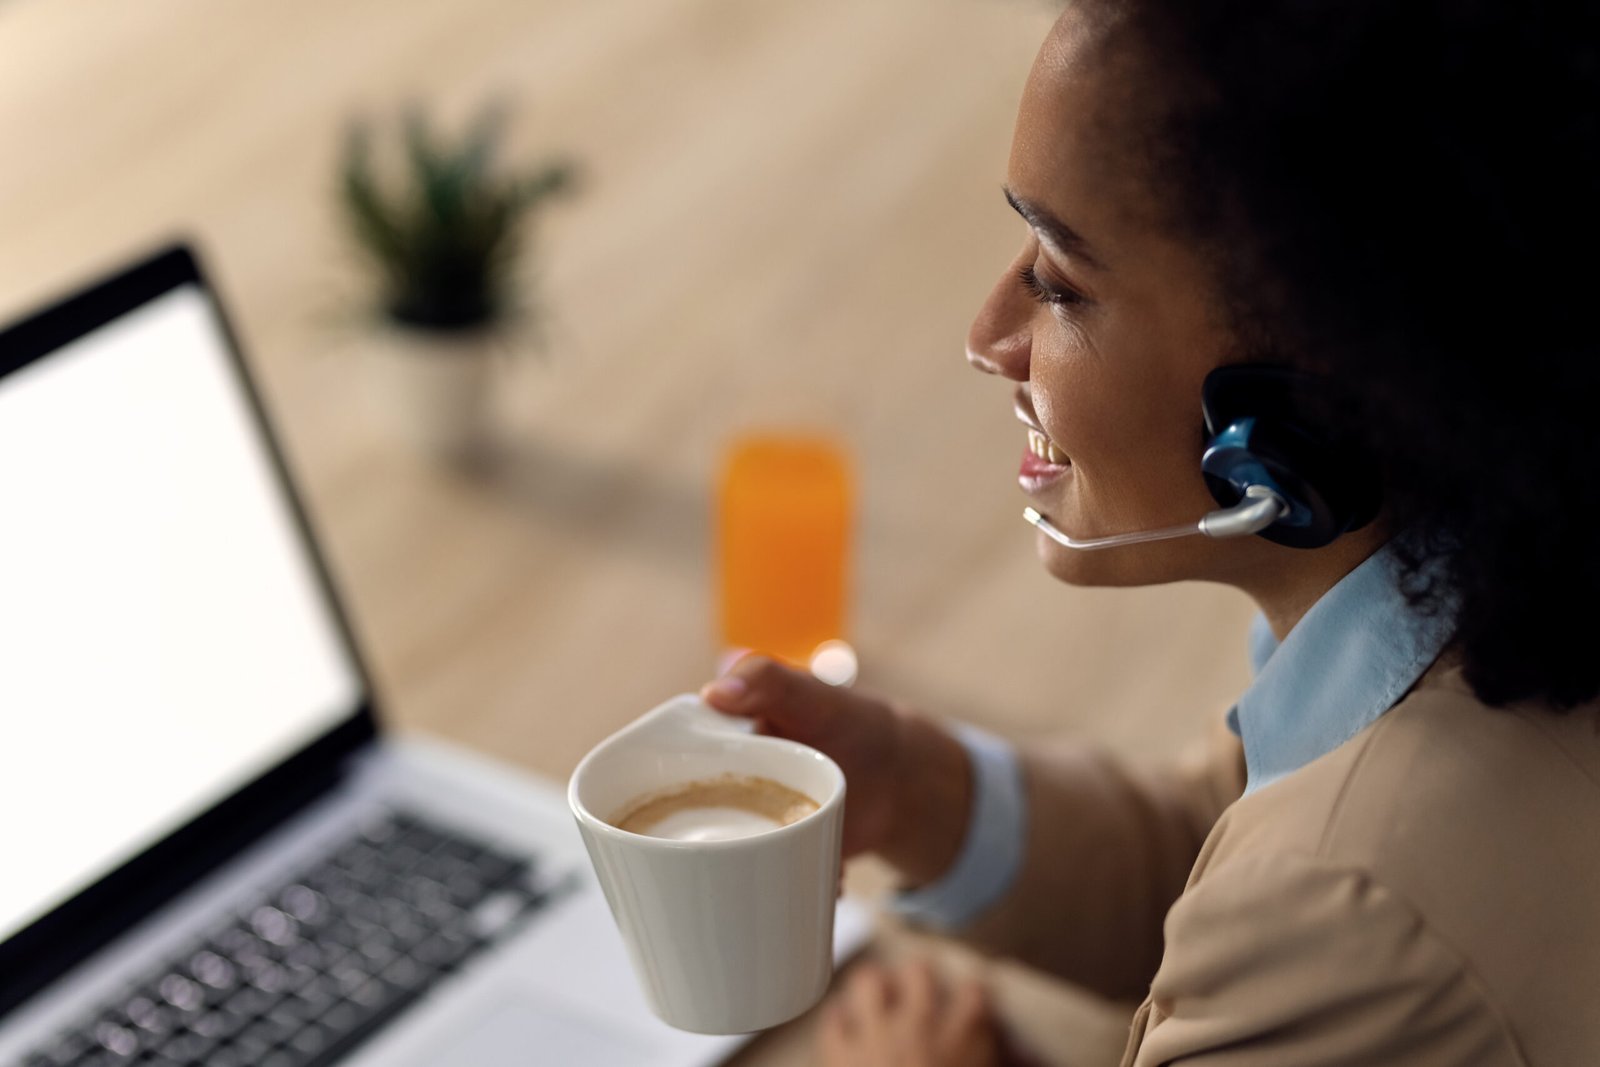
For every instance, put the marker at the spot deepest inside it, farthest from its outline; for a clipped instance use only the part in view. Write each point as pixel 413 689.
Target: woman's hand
pixel 904 1018
pixel 909 783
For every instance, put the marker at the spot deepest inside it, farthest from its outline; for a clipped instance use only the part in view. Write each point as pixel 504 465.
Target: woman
pixel 1389 853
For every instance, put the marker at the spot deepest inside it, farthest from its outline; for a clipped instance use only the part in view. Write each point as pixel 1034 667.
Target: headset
pixel 1272 472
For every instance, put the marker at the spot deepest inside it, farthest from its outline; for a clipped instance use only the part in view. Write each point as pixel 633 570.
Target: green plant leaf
pixel 446 239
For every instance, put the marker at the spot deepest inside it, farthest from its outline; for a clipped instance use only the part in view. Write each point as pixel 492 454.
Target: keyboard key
pixel 182 993
pixel 217 1024
pixel 212 970
pixel 311 954
pixel 273 926
pixel 188 1047
pixel 249 1002
pixel 342 1016
pixel 153 1018
pixel 374 994
pixel 312 1039
pixel 304 903
pixel 117 1039
pixel 350 975
pixel 289 1014
pixel 377 953
pixel 276 1028
pixel 444 949
pixel 404 972
pixel 251 1046
pixel 268 976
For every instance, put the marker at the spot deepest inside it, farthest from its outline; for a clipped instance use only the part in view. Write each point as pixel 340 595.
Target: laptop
pixel 213 853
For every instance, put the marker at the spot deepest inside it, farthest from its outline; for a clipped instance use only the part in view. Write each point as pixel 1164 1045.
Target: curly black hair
pixel 1400 195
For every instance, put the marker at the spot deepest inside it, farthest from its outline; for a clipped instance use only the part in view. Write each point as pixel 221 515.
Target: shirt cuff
pixel 991 855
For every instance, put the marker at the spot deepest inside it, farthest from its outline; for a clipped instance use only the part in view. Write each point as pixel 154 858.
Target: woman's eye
pixel 1046 294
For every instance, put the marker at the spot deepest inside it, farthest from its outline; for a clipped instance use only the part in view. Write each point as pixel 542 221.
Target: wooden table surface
pixel 790 211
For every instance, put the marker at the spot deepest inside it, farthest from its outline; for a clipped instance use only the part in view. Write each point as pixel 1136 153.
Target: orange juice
pixel 783 545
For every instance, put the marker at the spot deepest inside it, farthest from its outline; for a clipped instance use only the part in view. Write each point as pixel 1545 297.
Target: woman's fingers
pixel 867 994
pixel 854 1026
pixel 918 994
pixel 904 1018
pixel 835 1041
pixel 793 703
pixel 968 1008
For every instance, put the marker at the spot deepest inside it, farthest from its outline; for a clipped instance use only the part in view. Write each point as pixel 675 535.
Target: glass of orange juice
pixel 784 506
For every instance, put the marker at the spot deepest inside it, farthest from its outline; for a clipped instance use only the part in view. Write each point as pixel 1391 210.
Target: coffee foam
pixel 709 809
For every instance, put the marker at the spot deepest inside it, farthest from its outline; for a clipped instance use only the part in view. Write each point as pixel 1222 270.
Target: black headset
pixel 1259 434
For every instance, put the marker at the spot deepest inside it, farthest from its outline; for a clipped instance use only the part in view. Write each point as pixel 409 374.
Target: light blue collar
pixel 1347 661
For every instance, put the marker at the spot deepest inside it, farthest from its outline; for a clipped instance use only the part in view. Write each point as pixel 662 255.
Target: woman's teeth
pixel 1045 449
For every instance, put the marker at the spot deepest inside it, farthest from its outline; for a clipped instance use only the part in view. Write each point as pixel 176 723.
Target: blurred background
pixel 780 217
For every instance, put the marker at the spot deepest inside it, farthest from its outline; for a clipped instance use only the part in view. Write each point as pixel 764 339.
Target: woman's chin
pixel 1124 566
pixel 1070 565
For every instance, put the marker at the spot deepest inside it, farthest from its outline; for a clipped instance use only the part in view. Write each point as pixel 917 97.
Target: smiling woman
pixel 1317 255
pixel 1110 323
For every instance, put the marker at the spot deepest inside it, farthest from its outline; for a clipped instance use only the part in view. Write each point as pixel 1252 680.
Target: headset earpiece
pixel 1258 434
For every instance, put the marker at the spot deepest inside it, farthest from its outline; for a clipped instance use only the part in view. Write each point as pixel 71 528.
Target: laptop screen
pixel 164 635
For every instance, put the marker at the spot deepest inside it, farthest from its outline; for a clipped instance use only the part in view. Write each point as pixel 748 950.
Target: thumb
pixel 791 702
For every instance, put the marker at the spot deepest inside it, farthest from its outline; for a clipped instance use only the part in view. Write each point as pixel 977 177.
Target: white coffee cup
pixel 727 936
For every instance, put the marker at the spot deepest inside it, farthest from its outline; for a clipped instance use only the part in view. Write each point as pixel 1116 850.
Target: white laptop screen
pixel 164 636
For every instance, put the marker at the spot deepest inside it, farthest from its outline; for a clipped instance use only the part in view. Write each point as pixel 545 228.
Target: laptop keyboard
pixel 309 970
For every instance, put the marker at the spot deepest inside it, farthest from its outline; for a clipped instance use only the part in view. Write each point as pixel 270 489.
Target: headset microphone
pixel 1272 472
pixel 1261 508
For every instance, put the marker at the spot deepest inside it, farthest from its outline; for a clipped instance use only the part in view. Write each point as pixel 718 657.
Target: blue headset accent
pixel 1228 456
pixel 1259 430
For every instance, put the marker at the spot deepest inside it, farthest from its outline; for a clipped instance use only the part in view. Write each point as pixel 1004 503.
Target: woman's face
pixel 1107 326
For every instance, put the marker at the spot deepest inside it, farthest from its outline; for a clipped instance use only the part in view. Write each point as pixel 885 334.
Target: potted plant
pixel 444 231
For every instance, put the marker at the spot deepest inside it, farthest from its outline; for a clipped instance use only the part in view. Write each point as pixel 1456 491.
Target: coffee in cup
pixel 714 809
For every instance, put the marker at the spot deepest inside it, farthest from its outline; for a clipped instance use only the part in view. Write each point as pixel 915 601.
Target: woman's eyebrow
pixel 1058 233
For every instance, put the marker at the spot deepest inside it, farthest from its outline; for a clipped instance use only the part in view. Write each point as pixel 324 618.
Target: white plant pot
pixel 432 388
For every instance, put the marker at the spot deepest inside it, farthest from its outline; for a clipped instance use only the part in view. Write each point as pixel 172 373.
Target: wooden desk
pixel 791 211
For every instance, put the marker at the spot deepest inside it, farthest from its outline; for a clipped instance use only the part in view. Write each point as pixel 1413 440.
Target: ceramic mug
pixel 727 936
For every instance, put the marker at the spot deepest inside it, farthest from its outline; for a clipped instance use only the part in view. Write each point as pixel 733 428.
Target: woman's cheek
pixel 1066 400
pixel 1075 409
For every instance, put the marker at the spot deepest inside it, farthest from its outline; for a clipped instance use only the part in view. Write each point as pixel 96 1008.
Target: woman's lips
pixel 1037 473
pixel 1039 466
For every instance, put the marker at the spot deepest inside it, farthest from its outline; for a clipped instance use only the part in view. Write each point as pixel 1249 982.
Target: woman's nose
pixel 1000 340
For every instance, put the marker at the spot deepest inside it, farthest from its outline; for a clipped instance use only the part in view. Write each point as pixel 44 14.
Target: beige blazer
pixel 1426 894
